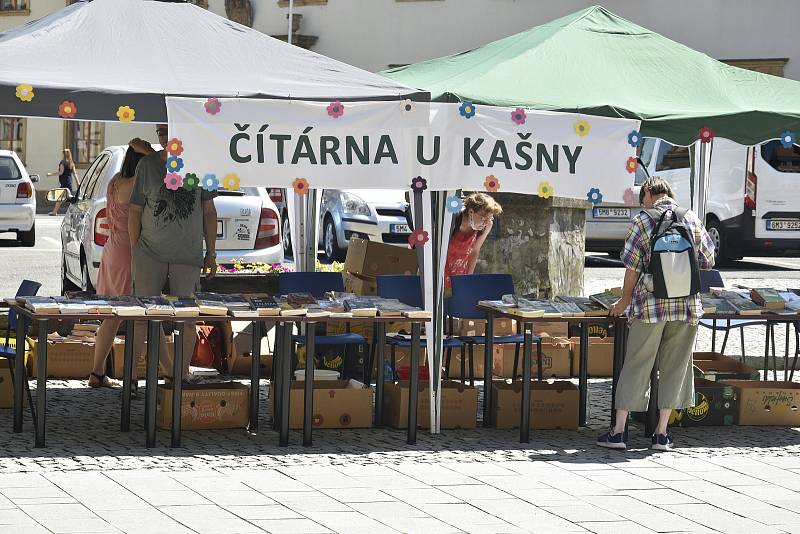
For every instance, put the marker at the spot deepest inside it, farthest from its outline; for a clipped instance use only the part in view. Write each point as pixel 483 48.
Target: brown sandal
pixel 102 381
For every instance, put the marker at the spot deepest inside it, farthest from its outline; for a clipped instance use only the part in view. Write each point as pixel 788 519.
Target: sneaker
pixel 609 440
pixel 662 442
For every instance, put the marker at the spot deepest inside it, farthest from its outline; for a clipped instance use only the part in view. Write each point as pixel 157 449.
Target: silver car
pixel 248 225
pixel 17 199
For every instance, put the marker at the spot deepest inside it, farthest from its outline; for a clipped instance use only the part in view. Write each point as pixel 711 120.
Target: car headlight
pixel 353 205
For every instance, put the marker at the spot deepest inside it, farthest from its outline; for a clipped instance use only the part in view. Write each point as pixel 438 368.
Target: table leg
pixel 255 376
pixel 487 369
pixel 619 358
pixel 127 378
pixel 413 384
pixel 786 354
pixel 714 335
pixel 177 386
pixel 41 384
pixel 525 408
pixel 583 375
pixel 380 357
pixel 766 350
pixel 153 343
pixel 286 381
pixel 308 387
pixel 19 371
pixel 275 385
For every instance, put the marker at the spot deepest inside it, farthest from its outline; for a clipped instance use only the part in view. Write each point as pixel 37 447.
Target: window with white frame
pixel 12 135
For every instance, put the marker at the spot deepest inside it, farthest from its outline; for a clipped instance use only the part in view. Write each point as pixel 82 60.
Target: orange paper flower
pixel 300 186
pixel 126 114
pixel 492 184
pixel 175 147
pixel 631 164
pixel 67 109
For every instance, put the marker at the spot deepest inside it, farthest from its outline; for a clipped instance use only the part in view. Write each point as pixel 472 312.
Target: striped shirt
pixel 636 256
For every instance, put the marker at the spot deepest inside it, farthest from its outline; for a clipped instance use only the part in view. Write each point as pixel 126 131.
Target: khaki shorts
pixel 151 275
pixel 672 341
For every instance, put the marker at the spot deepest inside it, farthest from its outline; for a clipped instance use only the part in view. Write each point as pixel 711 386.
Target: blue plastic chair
pixel 319 283
pixel 467 291
pixel 28 288
pixel 713 278
pixel 408 290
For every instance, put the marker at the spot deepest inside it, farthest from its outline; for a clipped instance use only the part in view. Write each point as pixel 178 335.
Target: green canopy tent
pixel 597 63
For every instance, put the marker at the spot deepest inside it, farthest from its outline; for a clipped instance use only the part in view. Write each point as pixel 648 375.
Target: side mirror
pixel 60 194
pixel 34 178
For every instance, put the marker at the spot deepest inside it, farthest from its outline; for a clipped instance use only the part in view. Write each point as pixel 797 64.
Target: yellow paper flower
pixel 545 190
pixel 126 113
pixel 300 186
pixel 231 182
pixel 25 92
pixel 582 128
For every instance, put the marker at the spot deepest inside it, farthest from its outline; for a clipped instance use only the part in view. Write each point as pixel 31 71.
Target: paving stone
pixel 544 496
pixel 519 512
pixel 657 474
pixel 473 492
pixel 644 514
pixel 249 497
pixel 291 526
pixel 208 518
pixel 357 495
pixel 416 496
pixel 434 475
pixel 660 496
pixel 719 519
pixel 504 482
pixel 478 469
pixel 461 515
pixel 382 511
pixel 151 521
pixel 308 501
pixel 350 522
pixel 271 511
pixel 184 497
pixel 422 525
pixel 615 527
pixel 582 512
pixel 623 481
pixel 78 526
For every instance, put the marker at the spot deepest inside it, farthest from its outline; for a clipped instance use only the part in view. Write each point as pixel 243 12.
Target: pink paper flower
pixel 518 116
pixel 335 109
pixel 706 134
pixel 173 181
pixel 213 106
pixel 417 238
pixel 629 197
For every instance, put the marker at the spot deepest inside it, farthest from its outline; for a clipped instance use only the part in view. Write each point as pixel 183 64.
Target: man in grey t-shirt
pixel 166 230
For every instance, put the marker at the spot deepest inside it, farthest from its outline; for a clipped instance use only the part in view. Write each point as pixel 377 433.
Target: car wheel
pixel 86 282
pixel 286 235
pixel 66 284
pixel 28 239
pixel 332 249
pixel 715 231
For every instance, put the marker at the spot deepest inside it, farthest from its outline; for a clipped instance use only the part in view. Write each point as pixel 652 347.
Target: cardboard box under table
pixel 64 359
pixel 207 406
pixel 724 369
pixel 716 404
pixel 552 405
pixel 459 405
pixel 767 403
pixel 556 359
pixel 6 385
pixel 337 404
pixel 118 359
pixel 600 356
pixel 503 326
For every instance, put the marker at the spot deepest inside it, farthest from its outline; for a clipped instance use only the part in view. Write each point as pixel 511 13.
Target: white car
pixel 248 225
pixel 17 199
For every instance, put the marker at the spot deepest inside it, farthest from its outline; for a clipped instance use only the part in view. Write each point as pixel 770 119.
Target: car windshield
pixel 9 169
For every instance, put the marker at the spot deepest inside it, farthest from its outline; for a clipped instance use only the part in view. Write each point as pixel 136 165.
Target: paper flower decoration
pixel 787 139
pixel 518 116
pixel 594 196
pixel 190 181
pixel 213 106
pixel 173 181
pixel 417 238
pixel 67 109
pixel 582 128
pixel 419 184
pixel 210 182
pixel 631 165
pixel 175 147
pixel 231 182
pixel 491 184
pixel 407 105
pixel 25 92
pixel 629 197
pixel 335 109
pixel 545 190
pixel 634 138
pixel 300 186
pixel 174 164
pixel 126 114
pixel 467 109
pixel 454 204
pixel 706 134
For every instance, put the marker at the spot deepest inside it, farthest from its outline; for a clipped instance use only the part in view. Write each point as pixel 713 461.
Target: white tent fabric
pixel 110 53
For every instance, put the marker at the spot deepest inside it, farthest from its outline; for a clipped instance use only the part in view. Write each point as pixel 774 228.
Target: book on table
pixel 237 304
pixel 606 299
pixel 744 306
pixel 98 305
pixel 126 306
pixel 40 305
pixel 184 306
pixel 567 309
pixel 716 305
pixel 589 307
pixel 211 303
pixel 397 308
pixel 291 310
pixel 265 305
pixel 157 305
pixel 301 300
pixel 361 307
pixel 767 298
pixel 71 306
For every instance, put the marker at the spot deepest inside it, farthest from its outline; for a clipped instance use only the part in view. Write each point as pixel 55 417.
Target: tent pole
pixel 289 32
pixel 702 186
pixel 310 226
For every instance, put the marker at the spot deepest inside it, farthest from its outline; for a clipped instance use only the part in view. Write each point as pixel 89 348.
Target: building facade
pixel 377 34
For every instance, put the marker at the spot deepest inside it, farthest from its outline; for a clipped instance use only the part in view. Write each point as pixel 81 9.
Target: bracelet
pixel 212 254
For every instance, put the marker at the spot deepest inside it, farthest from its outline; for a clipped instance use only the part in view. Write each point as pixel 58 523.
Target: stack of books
pixel 157 305
pixel 589 307
pixel 211 304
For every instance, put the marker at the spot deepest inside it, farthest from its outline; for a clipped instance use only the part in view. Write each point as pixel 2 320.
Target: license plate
pixel 399 229
pixel 611 213
pixel 220 230
pixel 793 224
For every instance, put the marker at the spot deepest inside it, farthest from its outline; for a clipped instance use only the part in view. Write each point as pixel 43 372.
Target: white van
pixel 753 206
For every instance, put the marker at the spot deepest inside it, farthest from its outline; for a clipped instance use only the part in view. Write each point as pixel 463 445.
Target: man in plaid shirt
pixel 663 327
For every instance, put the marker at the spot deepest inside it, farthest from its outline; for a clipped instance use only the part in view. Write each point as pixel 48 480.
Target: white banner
pixel 386 144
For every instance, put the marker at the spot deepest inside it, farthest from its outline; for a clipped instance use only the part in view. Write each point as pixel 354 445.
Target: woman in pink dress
pixel 470 229
pixel 114 277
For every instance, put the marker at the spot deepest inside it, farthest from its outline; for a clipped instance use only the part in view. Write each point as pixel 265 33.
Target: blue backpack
pixel 673 261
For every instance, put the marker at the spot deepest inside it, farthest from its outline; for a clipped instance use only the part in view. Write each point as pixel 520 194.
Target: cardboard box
pixel 724 369
pixel 7 388
pixel 556 359
pixel 477 327
pixel 716 404
pixel 551 328
pixel 240 365
pixel 64 360
pixel 367 258
pixel 337 404
pixel 601 356
pixel 602 330
pixel 459 405
pixel 552 405
pixel 455 362
pixel 767 403
pixel 206 406
pixel 707 356
pixel 118 360
pixel 360 285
